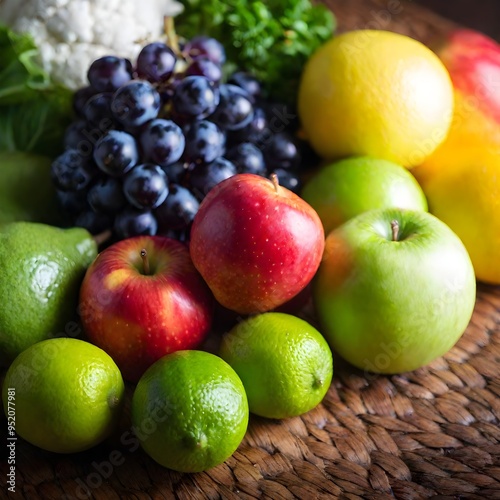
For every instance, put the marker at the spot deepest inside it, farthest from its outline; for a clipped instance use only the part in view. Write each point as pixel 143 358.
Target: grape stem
pixel 102 237
pixel 173 39
pixel 395 229
pixel 145 261
pixel 275 181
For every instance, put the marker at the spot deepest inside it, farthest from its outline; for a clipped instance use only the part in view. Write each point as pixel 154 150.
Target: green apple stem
pixel 145 262
pixel 275 181
pixel 395 230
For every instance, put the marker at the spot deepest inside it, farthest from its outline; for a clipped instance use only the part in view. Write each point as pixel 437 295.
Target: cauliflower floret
pixel 71 34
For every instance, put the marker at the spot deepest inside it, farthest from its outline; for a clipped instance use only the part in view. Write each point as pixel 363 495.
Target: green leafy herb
pixel 34 112
pixel 272 39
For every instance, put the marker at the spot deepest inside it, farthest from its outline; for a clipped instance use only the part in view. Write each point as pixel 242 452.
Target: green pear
pixel 41 270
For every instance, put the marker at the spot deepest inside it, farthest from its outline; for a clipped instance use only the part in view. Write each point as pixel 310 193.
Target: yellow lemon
pixel 375 93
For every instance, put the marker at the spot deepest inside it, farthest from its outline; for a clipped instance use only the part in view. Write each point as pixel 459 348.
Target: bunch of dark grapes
pixel 151 140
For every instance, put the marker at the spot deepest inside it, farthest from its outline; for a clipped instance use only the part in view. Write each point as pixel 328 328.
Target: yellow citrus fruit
pixel 375 93
pixel 285 364
pixel 462 186
pixel 471 127
pixel 68 394
pixel 190 411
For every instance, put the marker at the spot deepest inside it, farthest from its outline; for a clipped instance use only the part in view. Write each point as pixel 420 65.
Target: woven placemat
pixel 432 433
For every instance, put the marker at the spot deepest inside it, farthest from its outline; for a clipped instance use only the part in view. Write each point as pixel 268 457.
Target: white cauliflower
pixel 71 34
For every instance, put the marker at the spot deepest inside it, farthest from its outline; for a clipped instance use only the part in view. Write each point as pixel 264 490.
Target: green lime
pixel 67 393
pixel 190 411
pixel 284 363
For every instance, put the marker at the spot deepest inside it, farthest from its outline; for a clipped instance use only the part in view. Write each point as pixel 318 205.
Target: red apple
pixel 473 61
pixel 255 243
pixel 141 299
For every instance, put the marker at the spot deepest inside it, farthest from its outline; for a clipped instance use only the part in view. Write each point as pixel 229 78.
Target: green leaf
pixel 34 112
pixel 36 125
pixel 271 39
pixel 20 73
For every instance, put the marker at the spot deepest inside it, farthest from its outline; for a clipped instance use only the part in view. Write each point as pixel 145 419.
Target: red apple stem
pixel 395 229
pixel 275 181
pixel 145 261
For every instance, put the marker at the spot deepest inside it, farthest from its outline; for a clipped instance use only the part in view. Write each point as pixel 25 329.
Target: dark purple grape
pixel 308 157
pixel 98 108
pixel 135 103
pixel 133 222
pixel 235 110
pixel 288 178
pixel 257 131
pixel 176 172
pixel 281 118
pixel 204 177
pixel 72 202
pixel 195 97
pixel 106 195
pixel 74 134
pixel 167 89
pixel 162 142
pixel 205 67
pixel 83 136
pixel 168 233
pixel 247 158
pixel 204 142
pixel 146 186
pixel 178 209
pixel 281 151
pixel 80 97
pixel 116 153
pixel 108 73
pixel 248 83
pixel 71 171
pixel 205 46
pixel 181 235
pixel 156 62
pixel 94 222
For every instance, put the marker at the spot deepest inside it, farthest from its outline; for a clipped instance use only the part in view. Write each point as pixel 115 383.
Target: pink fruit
pixel 139 308
pixel 255 243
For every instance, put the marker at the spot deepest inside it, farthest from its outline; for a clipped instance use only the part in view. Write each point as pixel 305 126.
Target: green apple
pixel 349 187
pixel 395 290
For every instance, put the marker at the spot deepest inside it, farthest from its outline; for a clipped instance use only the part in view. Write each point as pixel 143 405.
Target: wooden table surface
pixel 431 433
pixel 482 15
